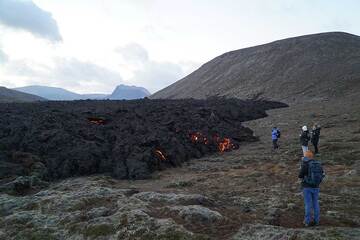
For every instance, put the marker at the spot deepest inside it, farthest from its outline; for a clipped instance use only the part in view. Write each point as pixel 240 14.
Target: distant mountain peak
pixel 129 92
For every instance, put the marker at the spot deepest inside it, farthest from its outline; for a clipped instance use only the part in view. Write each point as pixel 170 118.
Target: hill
pixel 60 94
pixel 128 92
pixel 8 95
pixel 301 69
pixel 51 93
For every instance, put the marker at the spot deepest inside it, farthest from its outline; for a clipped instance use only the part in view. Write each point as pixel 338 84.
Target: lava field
pixel 125 139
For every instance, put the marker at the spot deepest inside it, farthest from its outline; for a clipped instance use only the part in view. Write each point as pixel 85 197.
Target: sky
pixel 91 46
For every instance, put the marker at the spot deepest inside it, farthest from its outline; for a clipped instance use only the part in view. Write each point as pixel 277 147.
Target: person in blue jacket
pixel 275 135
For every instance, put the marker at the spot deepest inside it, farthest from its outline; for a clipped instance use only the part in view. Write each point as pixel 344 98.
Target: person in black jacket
pixel 304 139
pixel 311 191
pixel 315 136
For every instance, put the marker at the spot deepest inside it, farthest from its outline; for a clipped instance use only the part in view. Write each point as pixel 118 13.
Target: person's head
pixel 274 127
pixel 309 154
pixel 304 128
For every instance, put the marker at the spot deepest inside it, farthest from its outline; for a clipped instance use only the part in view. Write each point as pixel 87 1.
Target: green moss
pixel 334 235
pixel 180 184
pixel 99 230
pixel 173 235
pixel 87 203
pixel 44 234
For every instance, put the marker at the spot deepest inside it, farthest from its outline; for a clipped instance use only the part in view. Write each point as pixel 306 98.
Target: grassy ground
pixel 254 189
pixel 256 184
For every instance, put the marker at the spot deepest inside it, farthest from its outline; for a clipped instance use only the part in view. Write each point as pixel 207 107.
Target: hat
pixel 304 128
pixel 309 154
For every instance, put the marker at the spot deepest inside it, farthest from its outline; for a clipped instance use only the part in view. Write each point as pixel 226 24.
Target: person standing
pixel 304 139
pixel 315 137
pixel 312 174
pixel 275 135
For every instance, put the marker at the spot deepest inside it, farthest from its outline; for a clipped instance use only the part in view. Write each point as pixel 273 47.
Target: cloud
pixel 134 53
pixel 3 57
pixel 73 71
pixel 153 75
pixel 70 73
pixel 156 75
pixel 26 15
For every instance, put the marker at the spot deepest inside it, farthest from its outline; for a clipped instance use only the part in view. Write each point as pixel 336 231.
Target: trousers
pixel 311 202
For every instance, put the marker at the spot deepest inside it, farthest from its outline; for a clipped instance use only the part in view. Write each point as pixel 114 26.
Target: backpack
pixel 278 134
pixel 315 173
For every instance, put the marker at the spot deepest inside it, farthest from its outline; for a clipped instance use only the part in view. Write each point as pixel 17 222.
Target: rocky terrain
pixel 125 139
pixel 8 95
pixel 295 70
pixel 250 193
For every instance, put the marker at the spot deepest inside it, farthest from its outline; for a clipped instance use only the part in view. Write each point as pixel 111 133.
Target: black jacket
pixel 315 135
pixel 304 172
pixel 304 138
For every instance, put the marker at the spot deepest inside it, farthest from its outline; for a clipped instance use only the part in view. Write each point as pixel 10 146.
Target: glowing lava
pixel 198 137
pixel 225 145
pixel 160 155
pixel 97 121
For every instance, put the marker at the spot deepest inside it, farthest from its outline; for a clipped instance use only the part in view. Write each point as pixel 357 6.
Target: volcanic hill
pixel 300 69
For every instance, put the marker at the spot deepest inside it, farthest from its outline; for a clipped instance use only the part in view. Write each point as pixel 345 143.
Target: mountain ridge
pixel 61 94
pixel 9 95
pixel 305 68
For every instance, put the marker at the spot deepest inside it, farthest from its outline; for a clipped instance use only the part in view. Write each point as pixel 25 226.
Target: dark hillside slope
pixel 306 68
pixel 8 95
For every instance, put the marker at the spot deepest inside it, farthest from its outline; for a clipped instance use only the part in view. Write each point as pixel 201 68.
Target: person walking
pixel 315 137
pixel 275 135
pixel 312 174
pixel 304 139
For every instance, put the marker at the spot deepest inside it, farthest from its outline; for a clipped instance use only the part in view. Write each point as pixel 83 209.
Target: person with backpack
pixel 304 139
pixel 315 137
pixel 275 135
pixel 312 174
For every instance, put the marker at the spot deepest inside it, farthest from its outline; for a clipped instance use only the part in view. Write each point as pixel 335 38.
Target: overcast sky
pixel 90 46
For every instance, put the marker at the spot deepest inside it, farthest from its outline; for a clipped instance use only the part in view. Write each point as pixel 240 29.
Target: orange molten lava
pixel 160 155
pixel 197 137
pixel 225 145
pixel 97 121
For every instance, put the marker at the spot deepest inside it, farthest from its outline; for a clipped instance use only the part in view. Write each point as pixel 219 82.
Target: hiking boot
pixel 306 224
pixel 316 224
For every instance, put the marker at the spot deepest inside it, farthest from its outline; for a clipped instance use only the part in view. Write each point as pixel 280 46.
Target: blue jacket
pixel 274 134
